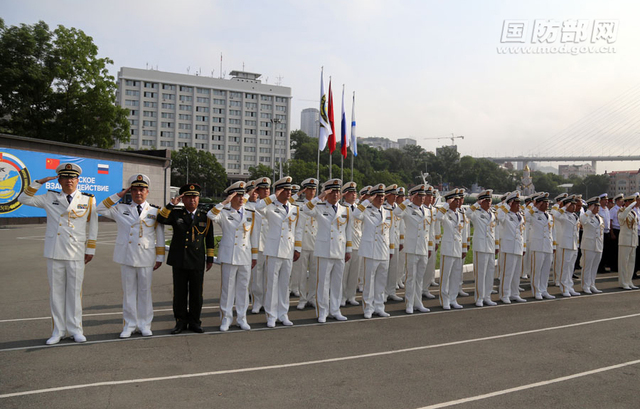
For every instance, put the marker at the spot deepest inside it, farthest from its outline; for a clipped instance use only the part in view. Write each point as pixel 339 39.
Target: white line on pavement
pixel 530 386
pixel 320 361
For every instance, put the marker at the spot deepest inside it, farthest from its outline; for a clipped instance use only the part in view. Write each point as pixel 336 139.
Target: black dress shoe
pixel 196 328
pixel 180 326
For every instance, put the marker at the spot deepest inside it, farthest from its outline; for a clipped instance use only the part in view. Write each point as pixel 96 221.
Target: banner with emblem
pixel 19 168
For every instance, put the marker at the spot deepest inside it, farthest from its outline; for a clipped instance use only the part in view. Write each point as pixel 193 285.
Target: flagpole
pixel 351 165
pixel 318 167
pixel 341 168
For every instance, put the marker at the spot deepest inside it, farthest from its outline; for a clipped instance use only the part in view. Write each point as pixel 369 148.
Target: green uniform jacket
pixel 192 241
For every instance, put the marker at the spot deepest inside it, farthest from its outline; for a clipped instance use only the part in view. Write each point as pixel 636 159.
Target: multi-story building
pixel 625 181
pixel 402 142
pixel 310 122
pixel 240 120
pixel 380 143
pixel 576 170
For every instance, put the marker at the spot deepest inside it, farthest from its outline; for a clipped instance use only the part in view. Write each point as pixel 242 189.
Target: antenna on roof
pixel 188 69
pixel 220 65
pixel 279 79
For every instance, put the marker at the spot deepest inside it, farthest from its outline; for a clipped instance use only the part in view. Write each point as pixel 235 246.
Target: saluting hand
pixel 124 192
pixel 228 199
pixel 47 179
pixel 175 200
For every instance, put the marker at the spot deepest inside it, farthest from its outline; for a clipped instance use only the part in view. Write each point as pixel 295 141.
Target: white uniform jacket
pixel 356 227
pixel 72 228
pixel 511 232
pixel 377 227
pixel 484 229
pixel 435 233
pixel 140 240
pixel 540 228
pixel 240 234
pixel 307 228
pixel 280 238
pixel 628 220
pixel 397 238
pixel 417 222
pixel 568 233
pixel 592 232
pixel 454 232
pixel 334 228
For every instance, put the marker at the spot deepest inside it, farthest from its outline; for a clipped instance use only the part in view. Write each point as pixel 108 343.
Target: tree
pixel 260 171
pixel 54 86
pixel 190 165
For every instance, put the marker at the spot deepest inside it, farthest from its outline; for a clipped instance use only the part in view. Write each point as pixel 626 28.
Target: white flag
pixel 325 128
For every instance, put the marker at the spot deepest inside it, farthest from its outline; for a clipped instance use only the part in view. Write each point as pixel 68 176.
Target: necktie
pixel 240 213
pixel 193 215
pixel 519 217
pixel 546 215
pixel 335 208
pixel 352 207
pixel 139 210
pixel 69 198
pixel 286 208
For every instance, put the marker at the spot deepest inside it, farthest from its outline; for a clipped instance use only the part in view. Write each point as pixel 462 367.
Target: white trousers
pixel 484 265
pixel 415 264
pixel 65 296
pixel 526 264
pixel 429 274
pixel 350 278
pixel 137 303
pixel 450 279
pixel 276 295
pixel 309 281
pixel 258 281
pixel 498 272
pixel 375 281
pixel 234 289
pixel 568 260
pixel 510 279
pixel 557 266
pixel 392 276
pixel 626 265
pixel 540 269
pixel 590 261
pixel 330 271
pixel 401 276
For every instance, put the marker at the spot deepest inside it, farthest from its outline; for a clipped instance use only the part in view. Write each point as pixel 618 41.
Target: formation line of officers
pixel 324 248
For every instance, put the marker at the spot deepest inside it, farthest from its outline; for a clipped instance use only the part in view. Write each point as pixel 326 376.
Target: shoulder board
pixel 157 207
pixel 250 210
pixel 54 191
pixel 226 208
pixel 321 204
pixel 87 194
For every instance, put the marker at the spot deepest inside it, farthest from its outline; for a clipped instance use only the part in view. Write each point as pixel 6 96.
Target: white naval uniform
pixel 627 243
pixel 541 247
pixel 435 235
pixel 527 259
pixel 452 245
pixel 139 245
pixel 512 246
pixel 591 245
pixel 72 229
pixel 375 250
pixel 567 240
pixel 306 267
pixel 418 245
pixel 257 281
pixel 332 241
pixel 397 239
pixel 484 250
pixel 236 250
pixel 278 250
pixel 353 267
pixel 557 256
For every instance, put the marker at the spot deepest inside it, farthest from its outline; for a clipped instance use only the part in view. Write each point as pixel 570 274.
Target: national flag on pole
pixel 52 163
pixel 332 135
pixel 344 142
pixel 354 144
pixel 103 169
pixel 325 129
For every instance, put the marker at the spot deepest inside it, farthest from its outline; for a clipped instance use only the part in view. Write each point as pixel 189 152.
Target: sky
pixel 421 69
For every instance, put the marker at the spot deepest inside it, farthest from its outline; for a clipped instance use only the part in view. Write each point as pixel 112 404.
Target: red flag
pixel 332 137
pixel 52 163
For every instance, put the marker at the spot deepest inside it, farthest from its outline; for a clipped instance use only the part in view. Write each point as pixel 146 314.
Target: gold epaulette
pixel 215 211
pixel 267 200
pixel 29 191
pixel 108 202
pixel 164 212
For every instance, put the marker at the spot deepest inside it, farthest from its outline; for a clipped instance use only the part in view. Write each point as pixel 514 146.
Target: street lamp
pixel 274 123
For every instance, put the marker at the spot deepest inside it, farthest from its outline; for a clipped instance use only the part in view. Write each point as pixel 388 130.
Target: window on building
pixel 132 92
pixel 266 98
pixel 217 101
pixel 148 94
pixel 149 123
pixel 234 130
pixel 148 142
pixel 219 92
pixel 250 140
pixel 131 102
pixel 166 124
pixel 168 144
pixel 185 89
pixel 150 104
pixel 168 96
pixel 185 107
pixel 250 105
pixel 266 107
pixel 204 91
pixel 184 126
pixel 166 134
pixel 149 132
pixel 132 83
pixel 168 115
pixel 151 85
pixel 235 94
pixel 170 87
pixel 235 112
pixel 249 131
pixel 203 118
pixel 249 158
pixel 202 100
pixel 186 98
pixel 149 114
pixel 184 135
pixel 202 109
pixel 249 148
pixel 168 106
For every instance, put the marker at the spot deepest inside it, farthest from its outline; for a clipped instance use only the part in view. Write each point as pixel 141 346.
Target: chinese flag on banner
pixel 52 163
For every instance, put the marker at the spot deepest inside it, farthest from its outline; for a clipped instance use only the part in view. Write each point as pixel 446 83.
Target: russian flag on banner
pixel 52 163
pixel 344 142
pixel 103 169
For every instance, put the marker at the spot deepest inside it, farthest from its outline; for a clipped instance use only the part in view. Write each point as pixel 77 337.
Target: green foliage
pixel 202 168
pixel 54 86
pixel 260 171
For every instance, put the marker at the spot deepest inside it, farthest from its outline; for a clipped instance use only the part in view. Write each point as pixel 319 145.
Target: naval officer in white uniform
pixel 237 252
pixel 139 250
pixel 333 247
pixel 69 244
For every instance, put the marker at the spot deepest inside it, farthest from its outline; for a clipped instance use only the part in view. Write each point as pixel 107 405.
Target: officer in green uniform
pixel 191 244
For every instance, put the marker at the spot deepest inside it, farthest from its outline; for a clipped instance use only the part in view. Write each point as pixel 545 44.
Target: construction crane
pixel 452 137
